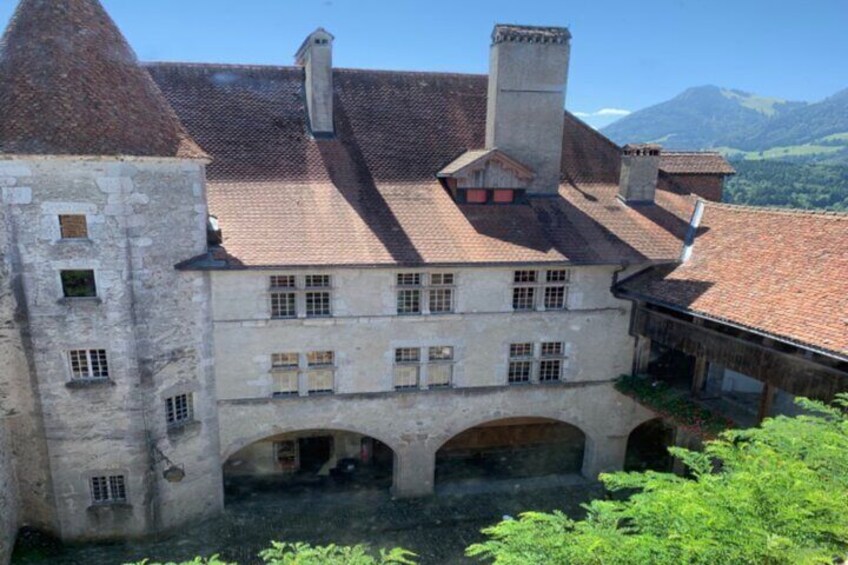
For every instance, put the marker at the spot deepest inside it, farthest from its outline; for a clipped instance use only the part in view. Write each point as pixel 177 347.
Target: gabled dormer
pixel 486 176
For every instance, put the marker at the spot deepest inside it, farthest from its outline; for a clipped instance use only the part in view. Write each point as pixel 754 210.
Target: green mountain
pixel 785 153
pixel 700 117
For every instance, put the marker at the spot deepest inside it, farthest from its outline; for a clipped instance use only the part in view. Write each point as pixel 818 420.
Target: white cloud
pixel 603 112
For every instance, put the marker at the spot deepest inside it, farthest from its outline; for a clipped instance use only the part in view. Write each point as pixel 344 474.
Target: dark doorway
pixel 647 447
pixel 671 366
pixel 314 452
pixel 512 448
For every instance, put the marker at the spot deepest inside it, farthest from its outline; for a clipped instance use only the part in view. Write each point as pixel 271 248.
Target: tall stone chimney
pixel 528 70
pixel 316 57
pixel 640 167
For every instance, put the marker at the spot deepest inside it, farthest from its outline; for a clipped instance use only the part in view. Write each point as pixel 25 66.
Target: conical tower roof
pixel 71 85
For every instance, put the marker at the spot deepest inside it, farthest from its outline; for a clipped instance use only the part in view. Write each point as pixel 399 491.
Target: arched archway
pixel 519 447
pixel 647 447
pixel 296 461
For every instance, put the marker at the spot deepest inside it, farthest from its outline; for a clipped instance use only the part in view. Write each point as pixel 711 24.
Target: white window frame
pixel 426 289
pixel 537 359
pixel 175 416
pixel 88 355
pixel 440 363
pixel 299 372
pixel 300 289
pixel 540 285
pixel 406 364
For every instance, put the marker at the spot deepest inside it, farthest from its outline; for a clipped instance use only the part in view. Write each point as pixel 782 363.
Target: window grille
pixel 179 409
pixel 318 304
pixel 417 291
pixel 108 489
pixel 283 305
pixel 547 366
pixel 530 288
pixel 312 298
pixel 88 364
pixel 520 363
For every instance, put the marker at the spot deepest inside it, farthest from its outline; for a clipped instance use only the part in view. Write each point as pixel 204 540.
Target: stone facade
pixel 152 320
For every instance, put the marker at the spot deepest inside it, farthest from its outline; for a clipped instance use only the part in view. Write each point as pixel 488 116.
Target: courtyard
pixel 437 528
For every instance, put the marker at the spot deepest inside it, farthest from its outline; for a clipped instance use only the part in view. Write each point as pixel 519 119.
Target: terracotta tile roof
pixel 70 85
pixel 370 195
pixel 779 272
pixel 695 163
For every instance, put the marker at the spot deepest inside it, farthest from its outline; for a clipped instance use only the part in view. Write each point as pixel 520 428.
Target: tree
pixel 281 553
pixel 774 494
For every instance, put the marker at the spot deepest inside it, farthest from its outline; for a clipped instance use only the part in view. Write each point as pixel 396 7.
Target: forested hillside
pixel 777 183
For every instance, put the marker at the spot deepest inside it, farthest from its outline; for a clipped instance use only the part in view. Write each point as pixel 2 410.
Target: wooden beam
pixel 766 399
pixel 699 375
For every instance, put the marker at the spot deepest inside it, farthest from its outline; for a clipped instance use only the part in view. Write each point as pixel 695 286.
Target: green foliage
pixel 776 183
pixel 281 553
pixel 775 494
pixel 305 554
pixel 214 560
pixel 673 406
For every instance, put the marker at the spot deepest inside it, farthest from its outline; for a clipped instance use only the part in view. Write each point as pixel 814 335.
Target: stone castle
pixel 204 264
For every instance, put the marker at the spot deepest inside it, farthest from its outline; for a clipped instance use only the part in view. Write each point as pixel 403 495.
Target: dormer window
pixel 486 176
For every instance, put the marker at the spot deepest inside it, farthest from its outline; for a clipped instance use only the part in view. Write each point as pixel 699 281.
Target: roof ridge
pixel 196 64
pixel 836 214
pixel 664 152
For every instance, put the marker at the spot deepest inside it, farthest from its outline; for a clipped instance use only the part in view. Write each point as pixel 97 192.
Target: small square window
pixel 525 276
pixel 88 364
pixel 73 226
pixel 78 284
pixel 108 489
pixel 523 298
pixel 503 196
pixel 179 409
pixel 282 281
pixel 283 305
pixel 519 371
pixel 318 304
pixel 284 361
pixel 407 355
pixel 550 370
pixel 476 196
pixel 317 281
pixel 441 300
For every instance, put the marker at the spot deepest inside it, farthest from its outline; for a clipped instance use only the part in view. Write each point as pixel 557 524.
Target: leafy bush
pixel 775 494
pixel 281 553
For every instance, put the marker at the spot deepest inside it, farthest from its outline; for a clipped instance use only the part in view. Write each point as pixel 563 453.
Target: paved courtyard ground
pixel 437 528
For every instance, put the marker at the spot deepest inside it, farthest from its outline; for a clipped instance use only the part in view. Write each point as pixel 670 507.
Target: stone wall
pixel 154 322
pixel 9 504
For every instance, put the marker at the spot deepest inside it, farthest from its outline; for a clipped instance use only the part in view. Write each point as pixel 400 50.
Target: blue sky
pixel 625 54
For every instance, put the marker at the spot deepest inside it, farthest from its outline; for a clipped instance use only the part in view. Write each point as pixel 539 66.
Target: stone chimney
pixel 528 70
pixel 316 57
pixel 640 166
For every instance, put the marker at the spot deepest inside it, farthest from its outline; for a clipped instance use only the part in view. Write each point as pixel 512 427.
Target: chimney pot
pixel 640 167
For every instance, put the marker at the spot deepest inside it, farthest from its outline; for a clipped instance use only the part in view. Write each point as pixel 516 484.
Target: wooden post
pixel 642 355
pixel 766 399
pixel 699 375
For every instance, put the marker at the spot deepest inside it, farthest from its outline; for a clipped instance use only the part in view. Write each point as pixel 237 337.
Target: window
pixel 88 364
pixel 525 366
pixel 108 489
pixel 520 363
pixel 550 365
pixel 439 366
pixel 419 293
pixel 475 196
pixel 284 361
pixel 319 377
pixel 283 305
pixel 409 299
pixel 529 286
pixel 179 409
pixel 285 368
pixel 78 284
pixel 311 299
pixel 73 226
pixel 407 368
pixel 503 196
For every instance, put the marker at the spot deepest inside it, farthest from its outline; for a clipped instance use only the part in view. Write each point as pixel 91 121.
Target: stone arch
pixel 448 434
pixel 270 431
pixel 647 446
pixel 512 447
